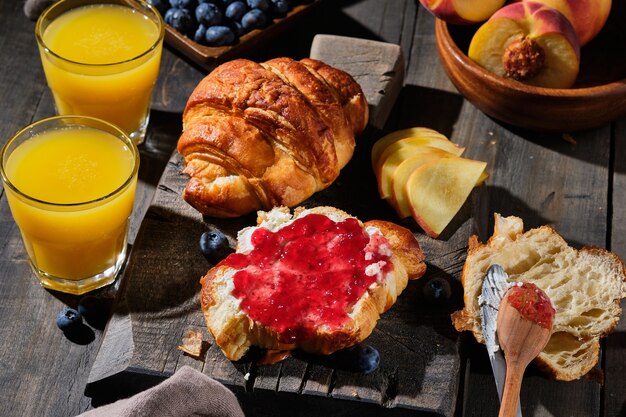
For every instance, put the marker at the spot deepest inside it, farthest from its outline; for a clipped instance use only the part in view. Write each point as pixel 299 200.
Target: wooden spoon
pixel 524 326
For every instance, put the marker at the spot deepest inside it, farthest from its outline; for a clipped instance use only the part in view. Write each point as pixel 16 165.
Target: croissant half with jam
pixel 260 135
pixel 316 280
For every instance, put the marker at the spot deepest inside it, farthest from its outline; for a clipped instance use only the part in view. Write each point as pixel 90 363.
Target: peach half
pixel 462 11
pixel 528 42
pixel 587 16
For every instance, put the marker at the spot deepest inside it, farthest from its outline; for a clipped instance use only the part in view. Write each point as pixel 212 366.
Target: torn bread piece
pixel 585 286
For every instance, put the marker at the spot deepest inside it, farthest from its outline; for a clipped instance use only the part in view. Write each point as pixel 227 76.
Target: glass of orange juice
pixel 101 59
pixel 70 183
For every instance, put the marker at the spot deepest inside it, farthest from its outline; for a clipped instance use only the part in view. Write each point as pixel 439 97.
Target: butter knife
pixel 494 286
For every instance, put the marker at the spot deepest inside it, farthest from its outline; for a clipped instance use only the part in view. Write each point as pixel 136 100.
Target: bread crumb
pixel 193 344
pixel 568 138
pixel 246 376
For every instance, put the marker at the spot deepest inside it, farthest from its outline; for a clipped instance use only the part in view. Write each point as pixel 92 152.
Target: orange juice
pixel 71 191
pixel 102 60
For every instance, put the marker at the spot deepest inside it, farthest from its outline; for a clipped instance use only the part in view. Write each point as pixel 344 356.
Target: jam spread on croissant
pixel 308 273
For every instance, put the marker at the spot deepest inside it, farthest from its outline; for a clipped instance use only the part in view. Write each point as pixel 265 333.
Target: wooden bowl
pixel 598 97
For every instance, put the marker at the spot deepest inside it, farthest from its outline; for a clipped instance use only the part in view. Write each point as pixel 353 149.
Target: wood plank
pixel 318 381
pixel 426 70
pixel 292 376
pixel 614 389
pixel 21 77
pixel 267 377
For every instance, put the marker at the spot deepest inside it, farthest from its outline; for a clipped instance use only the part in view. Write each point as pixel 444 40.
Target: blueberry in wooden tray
pixel 210 32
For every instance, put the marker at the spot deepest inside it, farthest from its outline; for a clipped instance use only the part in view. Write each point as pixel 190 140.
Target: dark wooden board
pixel 159 300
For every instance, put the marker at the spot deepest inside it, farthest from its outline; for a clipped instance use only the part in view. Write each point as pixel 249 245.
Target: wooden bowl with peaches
pixel 533 68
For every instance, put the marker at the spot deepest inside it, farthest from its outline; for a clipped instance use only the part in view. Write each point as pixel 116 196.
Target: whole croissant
pixel 256 136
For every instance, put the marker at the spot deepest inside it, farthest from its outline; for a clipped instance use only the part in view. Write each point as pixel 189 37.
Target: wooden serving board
pixel 158 300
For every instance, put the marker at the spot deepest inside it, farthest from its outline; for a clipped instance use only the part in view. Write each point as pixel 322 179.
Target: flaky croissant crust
pixel 257 136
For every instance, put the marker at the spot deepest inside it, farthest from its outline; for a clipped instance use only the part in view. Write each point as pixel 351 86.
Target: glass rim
pixel 54 6
pixel 120 135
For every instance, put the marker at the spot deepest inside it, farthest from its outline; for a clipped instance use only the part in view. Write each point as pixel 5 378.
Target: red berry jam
pixel 532 303
pixel 307 274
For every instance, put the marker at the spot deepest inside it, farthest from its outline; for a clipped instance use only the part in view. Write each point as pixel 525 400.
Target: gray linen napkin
pixel 187 393
pixel 33 8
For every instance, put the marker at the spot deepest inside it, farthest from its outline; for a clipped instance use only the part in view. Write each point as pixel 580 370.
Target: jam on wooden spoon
pixel 524 327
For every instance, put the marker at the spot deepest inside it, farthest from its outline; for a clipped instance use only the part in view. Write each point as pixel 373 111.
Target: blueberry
pixel 235 11
pixel 69 319
pixel 280 7
pixel 237 29
pixel 161 5
pixel 219 36
pixel 360 358
pixel 263 5
pixel 181 20
pixel 198 36
pixel 213 244
pixel 167 17
pixel 184 4
pixel 368 358
pixel 254 19
pixel 95 310
pixel 208 14
pixel 223 3
pixel 437 290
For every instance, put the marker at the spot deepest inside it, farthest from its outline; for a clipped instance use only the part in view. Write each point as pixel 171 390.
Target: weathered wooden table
pixel 574 186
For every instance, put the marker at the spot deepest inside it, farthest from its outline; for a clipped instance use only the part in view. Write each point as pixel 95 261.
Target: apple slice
pixel 381 144
pixel 438 142
pixel 438 189
pixel 399 198
pixel 392 160
pixel 483 177
pixel 528 42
